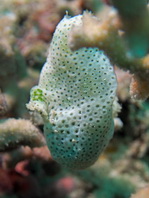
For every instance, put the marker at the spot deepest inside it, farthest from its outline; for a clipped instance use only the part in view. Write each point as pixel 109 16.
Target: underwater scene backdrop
pixel 74 107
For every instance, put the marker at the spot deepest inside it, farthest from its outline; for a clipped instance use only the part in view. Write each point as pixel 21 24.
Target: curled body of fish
pixel 75 96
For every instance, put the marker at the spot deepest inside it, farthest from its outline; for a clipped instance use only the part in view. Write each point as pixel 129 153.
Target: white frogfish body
pixel 75 96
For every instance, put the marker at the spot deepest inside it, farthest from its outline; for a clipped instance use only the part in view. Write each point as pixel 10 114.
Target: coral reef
pixel 14 133
pixel 120 29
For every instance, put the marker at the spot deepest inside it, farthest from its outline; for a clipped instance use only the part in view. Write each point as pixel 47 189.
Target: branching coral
pixel 12 64
pixel 14 133
pixel 125 44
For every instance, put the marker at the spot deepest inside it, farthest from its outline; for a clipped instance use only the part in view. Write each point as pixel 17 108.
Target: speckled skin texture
pixel 75 95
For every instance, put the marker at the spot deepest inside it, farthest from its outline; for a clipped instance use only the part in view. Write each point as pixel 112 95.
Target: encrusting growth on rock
pixel 75 96
pixel 118 38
